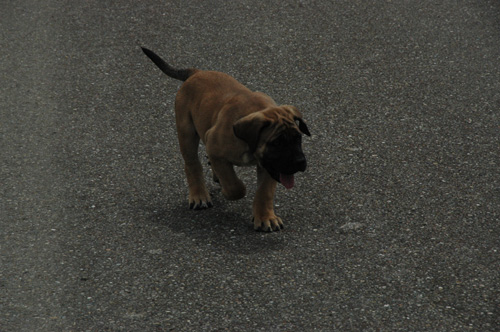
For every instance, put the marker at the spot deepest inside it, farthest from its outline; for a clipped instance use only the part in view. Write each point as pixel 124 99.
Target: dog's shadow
pixel 220 227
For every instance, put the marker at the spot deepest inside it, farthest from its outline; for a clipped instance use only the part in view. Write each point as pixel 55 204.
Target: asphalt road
pixel 393 227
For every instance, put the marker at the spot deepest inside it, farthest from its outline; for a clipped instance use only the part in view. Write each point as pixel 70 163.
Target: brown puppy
pixel 238 127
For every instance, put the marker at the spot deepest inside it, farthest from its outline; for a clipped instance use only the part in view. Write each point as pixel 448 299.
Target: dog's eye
pixel 278 142
pixel 274 143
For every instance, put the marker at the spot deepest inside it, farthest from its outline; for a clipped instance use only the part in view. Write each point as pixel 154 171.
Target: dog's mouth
pixel 287 180
pixel 285 175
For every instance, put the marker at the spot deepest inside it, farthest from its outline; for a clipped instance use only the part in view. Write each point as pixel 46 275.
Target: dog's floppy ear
pixel 249 129
pixel 297 116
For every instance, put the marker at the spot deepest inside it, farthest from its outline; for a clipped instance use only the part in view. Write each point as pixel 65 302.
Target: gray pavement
pixel 394 226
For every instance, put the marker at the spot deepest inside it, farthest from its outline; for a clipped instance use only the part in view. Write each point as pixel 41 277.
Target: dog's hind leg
pixel 214 176
pixel 232 187
pixel 199 198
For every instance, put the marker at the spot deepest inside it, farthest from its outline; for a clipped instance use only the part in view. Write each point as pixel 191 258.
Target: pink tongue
pixel 287 180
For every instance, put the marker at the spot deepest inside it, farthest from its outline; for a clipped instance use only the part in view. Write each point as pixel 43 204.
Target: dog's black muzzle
pixel 277 166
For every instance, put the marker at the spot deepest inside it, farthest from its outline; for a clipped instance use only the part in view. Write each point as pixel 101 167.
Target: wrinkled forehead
pixel 284 124
pixel 281 115
pixel 285 131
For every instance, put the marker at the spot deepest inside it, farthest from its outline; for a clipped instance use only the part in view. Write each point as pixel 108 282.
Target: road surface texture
pixel 393 227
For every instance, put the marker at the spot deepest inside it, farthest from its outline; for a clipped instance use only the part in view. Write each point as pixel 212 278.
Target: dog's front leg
pixel 232 187
pixel 264 218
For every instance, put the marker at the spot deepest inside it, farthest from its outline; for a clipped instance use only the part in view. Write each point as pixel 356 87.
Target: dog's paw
pixel 200 203
pixel 267 224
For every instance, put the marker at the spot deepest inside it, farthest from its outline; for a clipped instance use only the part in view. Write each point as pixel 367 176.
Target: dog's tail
pixel 179 74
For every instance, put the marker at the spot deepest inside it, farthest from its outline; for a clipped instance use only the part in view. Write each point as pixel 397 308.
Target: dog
pixel 238 127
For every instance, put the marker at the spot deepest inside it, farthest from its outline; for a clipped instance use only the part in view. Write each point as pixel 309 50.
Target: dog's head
pixel 274 136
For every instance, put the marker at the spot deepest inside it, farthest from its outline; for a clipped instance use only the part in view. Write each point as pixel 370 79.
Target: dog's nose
pixel 301 164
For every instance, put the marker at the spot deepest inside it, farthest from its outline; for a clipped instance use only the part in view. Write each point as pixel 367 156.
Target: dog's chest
pixel 247 159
